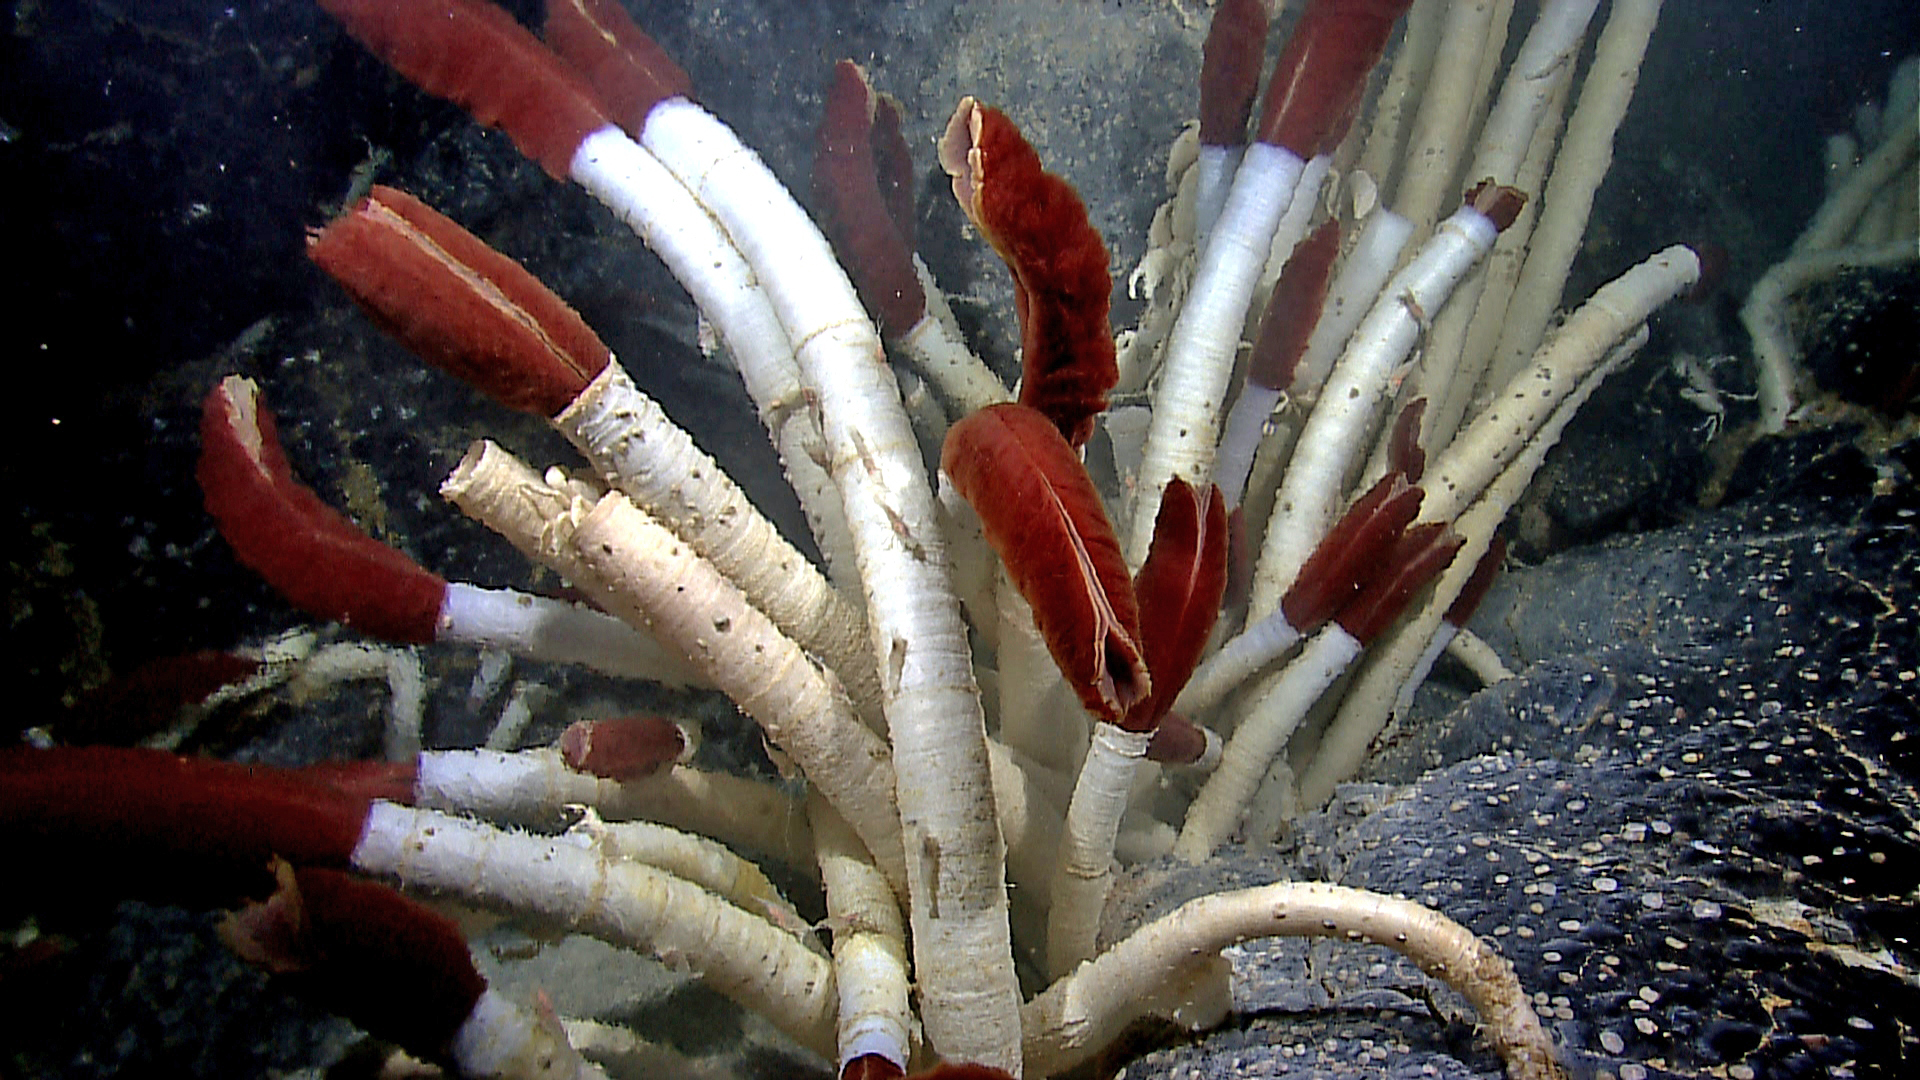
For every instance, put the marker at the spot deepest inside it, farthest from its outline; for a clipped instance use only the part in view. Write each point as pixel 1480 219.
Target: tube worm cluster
pixel 921 811
pixel 1868 219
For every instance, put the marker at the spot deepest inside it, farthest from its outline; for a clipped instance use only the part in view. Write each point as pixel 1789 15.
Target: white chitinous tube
pixel 501 492
pixel 1293 226
pixel 1545 59
pixel 629 439
pixel 400 669
pixel 1838 216
pixel 1268 725
pixel 1031 807
pixel 1160 279
pixel 1327 454
pixel 1200 353
pixel 1368 264
pixel 559 632
pixel 1817 255
pixel 623 903
pixel 698 859
pixel 1246 425
pixel 1581 164
pixel 1509 423
pixel 501 1039
pixel 1514 147
pixel 664 214
pixel 536 788
pixel 869 947
pixel 1039 716
pixel 1084 875
pixel 1480 659
pixel 653 578
pixel 935 347
pixel 1438 133
pixel 696 611
pixel 1083 1012
pixel 1214 169
pixel 956 863
pixel 1236 661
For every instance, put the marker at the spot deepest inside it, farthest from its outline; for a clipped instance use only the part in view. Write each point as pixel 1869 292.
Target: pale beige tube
pixel 1464 332
pixel 1405 91
pixel 1083 874
pixel 1513 148
pixel 1500 31
pixel 534 788
pixel 1816 256
pixel 1266 725
pixel 1838 215
pixel 698 859
pixel 664 213
pixel 869 946
pixel 1499 434
pixel 1582 163
pixel 1039 716
pixel 963 953
pixel 1083 1012
pixel 690 606
pixel 1546 57
pixel 1165 269
pixel 1439 133
pixel 936 348
pixel 629 438
pixel 1031 802
pixel 1473 652
pixel 1775 353
pixel 653 577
